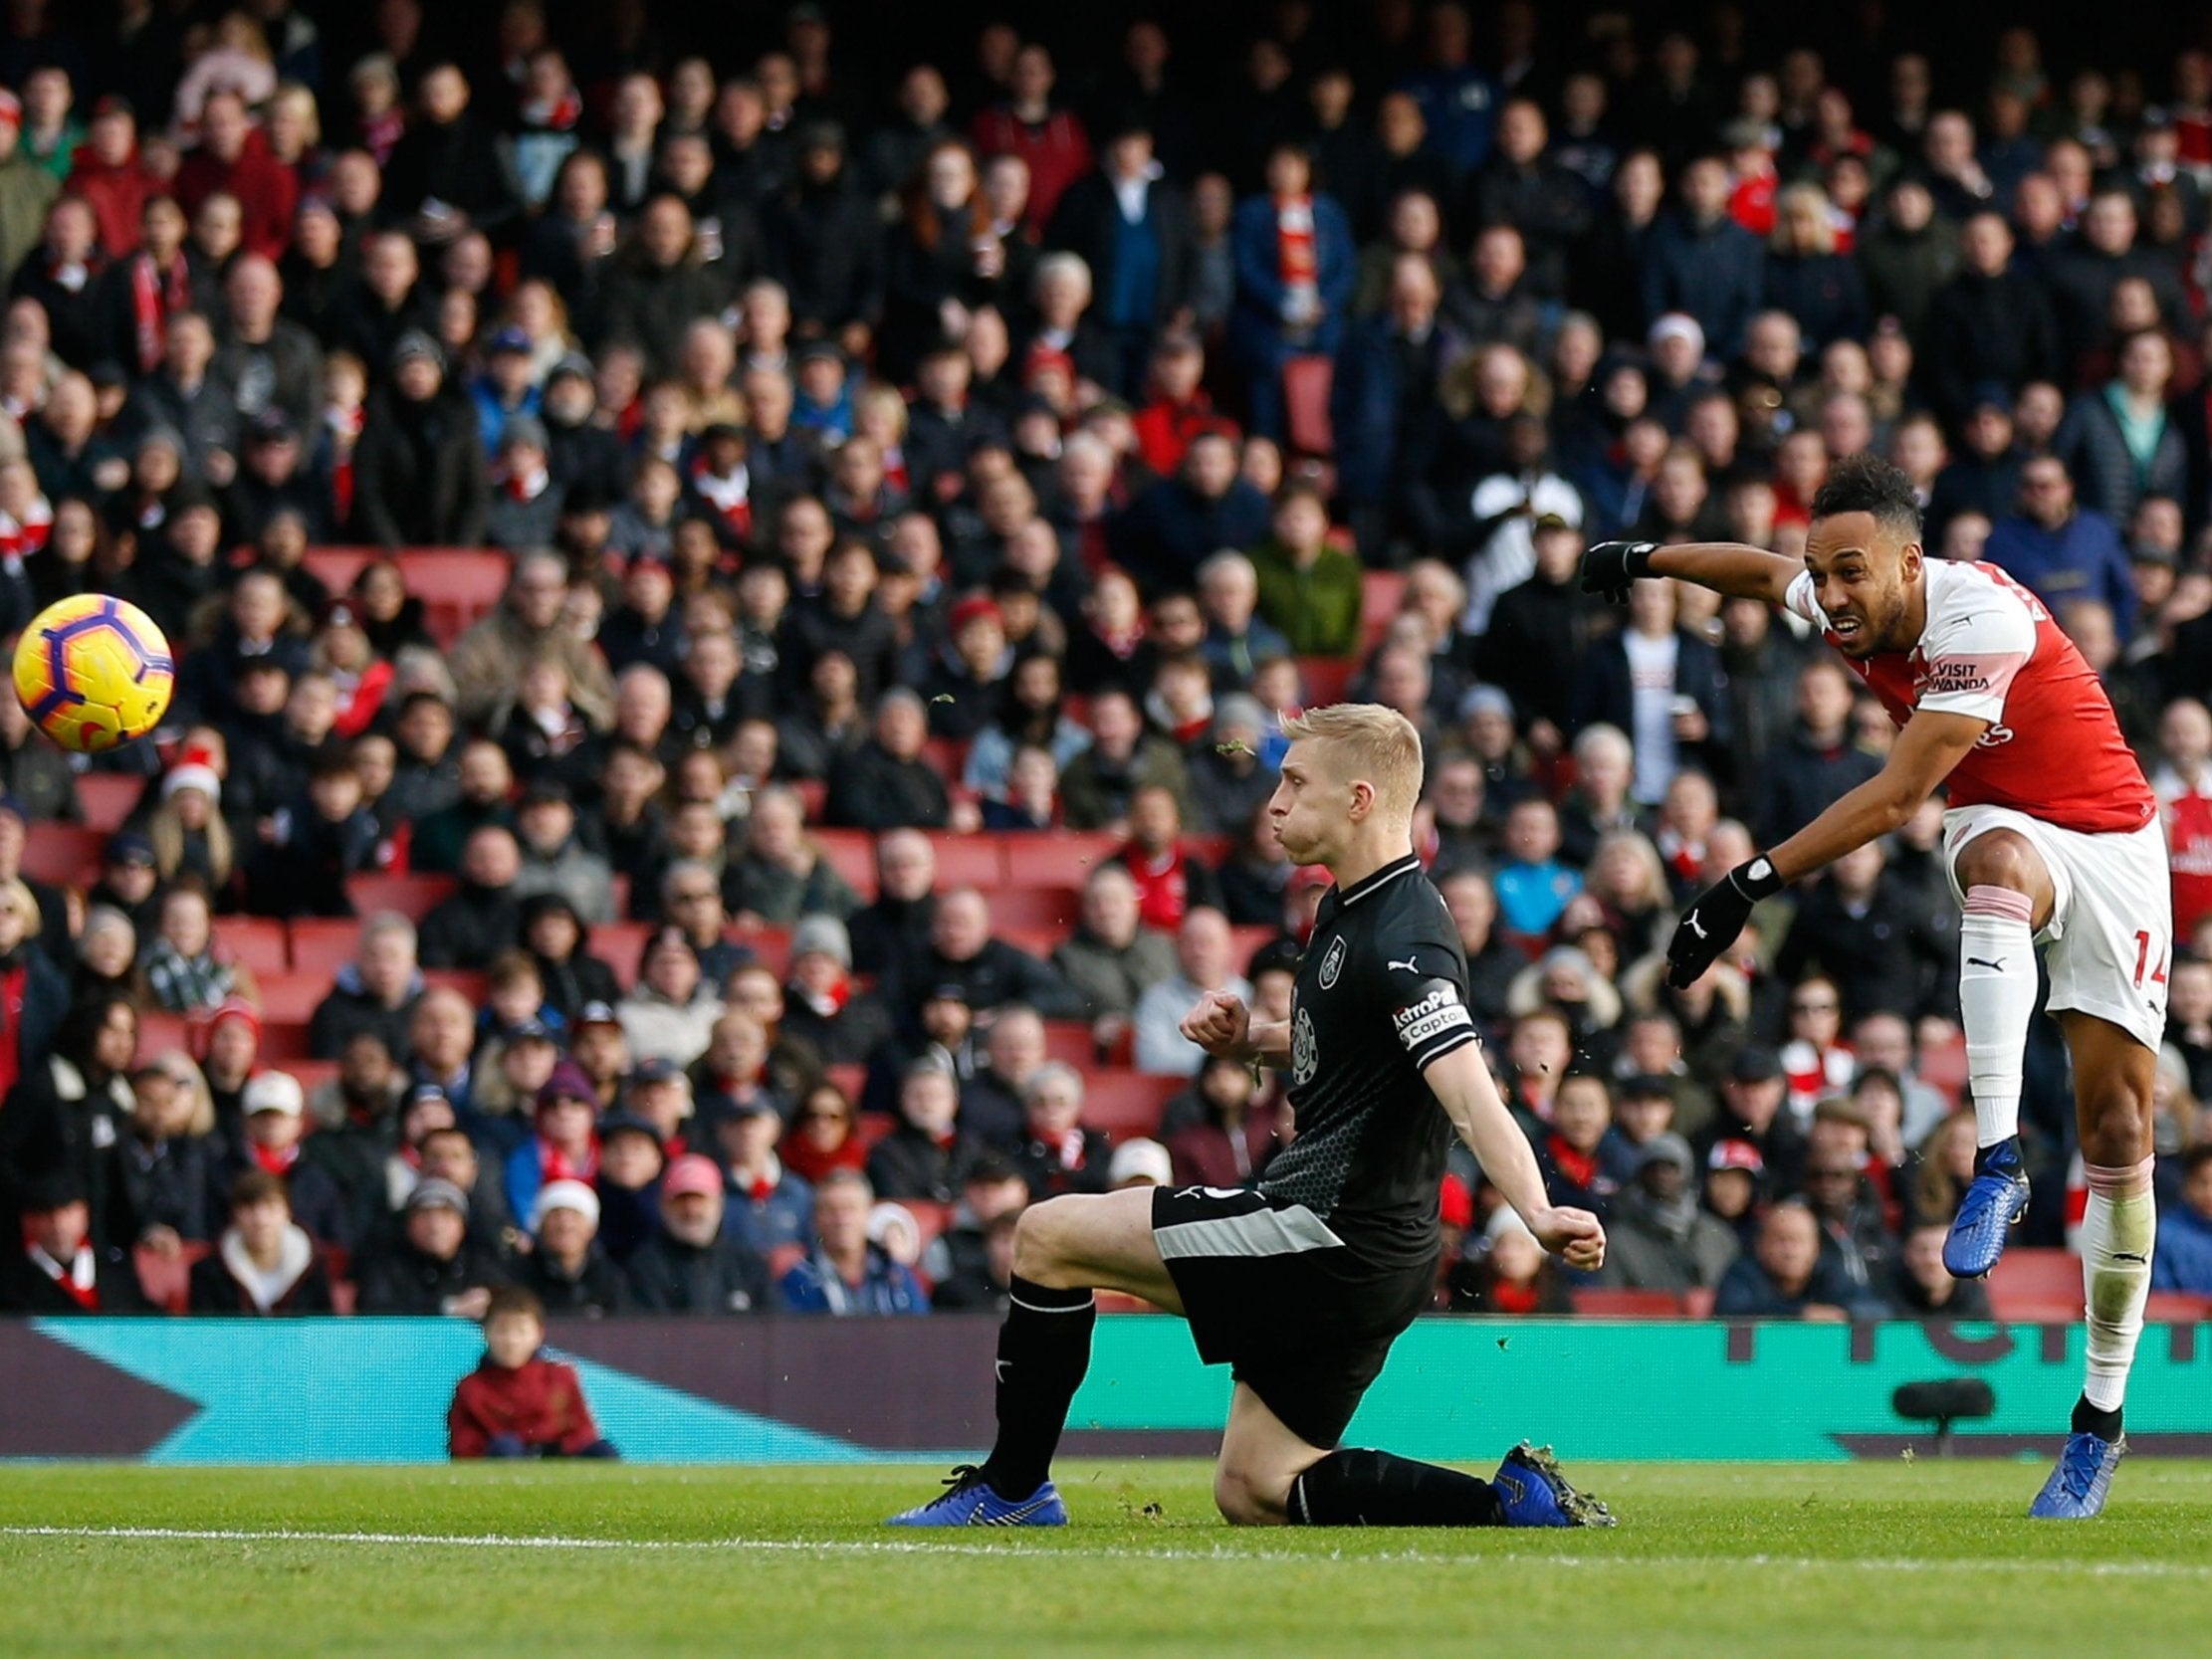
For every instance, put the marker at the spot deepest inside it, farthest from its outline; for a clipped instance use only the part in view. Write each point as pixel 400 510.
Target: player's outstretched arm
pixel 1741 572
pixel 1463 1084
pixel 1222 1025
pixel 1931 743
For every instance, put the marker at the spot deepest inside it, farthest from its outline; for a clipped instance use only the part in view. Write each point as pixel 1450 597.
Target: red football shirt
pixel 1991 651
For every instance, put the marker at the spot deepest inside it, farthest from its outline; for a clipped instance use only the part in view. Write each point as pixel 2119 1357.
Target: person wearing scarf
pixel 566 1145
pixel 57 1268
pixel 720 482
pixel 152 286
pixel 769 1206
pixel 1295 263
pixel 1508 1273
pixel 275 1109
pixel 264 1264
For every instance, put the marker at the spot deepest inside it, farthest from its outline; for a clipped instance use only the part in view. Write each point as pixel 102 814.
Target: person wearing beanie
pixel 568 1270
pixel 1660 1238
pixel 433 1266
pixel 564 1144
pixel 821 1006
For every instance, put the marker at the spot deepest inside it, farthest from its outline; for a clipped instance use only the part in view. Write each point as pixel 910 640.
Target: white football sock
pixel 2119 1233
pixel 1996 999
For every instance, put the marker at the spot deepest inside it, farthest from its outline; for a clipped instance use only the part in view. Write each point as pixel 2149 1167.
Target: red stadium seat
pixel 813 794
pixel 1039 942
pixel 1383 593
pixel 1306 382
pixel 621 945
pixel 2029 1284
pixel 321 946
pixel 1063 859
pixel 161 1033
pixel 967 861
pixel 1121 1302
pixel 284 1041
pixel 1127 1103
pixel 457 585
pixel 770 946
pixel 849 1079
pixel 1612 1303
pixel 471 985
pixel 258 943
pixel 413 896
pixel 290 998
pixel 106 799
pixel 346 1296
pixel 65 855
pixel 2178 1308
pixel 1070 1040
pixel 1055 908
pixel 1326 678
pixel 852 854
pixel 1246 942
pixel 947 756
pixel 1698 1302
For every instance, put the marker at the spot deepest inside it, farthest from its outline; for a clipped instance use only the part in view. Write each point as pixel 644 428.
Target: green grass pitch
pixel 606 1561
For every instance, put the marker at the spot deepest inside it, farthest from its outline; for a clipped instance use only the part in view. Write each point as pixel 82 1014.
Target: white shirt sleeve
pixel 1979 636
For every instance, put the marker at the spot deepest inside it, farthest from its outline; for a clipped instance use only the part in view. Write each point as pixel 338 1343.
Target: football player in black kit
pixel 1302 1282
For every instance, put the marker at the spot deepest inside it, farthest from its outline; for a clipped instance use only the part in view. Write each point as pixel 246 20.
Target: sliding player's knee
pixel 1247 1496
pixel 1999 859
pixel 1044 1240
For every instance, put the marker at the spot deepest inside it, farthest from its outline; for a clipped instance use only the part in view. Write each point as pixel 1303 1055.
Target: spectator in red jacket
pixel 518 1402
pixel 108 172
pixel 1052 142
pixel 233 159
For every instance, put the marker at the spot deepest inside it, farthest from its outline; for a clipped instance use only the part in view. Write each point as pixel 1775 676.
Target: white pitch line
pixel 1117 1553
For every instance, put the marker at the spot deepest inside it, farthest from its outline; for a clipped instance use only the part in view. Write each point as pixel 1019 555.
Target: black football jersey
pixel 1382 992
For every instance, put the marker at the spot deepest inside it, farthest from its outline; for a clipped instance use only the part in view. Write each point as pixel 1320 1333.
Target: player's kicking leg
pixel 1064 1249
pixel 2008 895
pixel 2112 1072
pixel 1270 1476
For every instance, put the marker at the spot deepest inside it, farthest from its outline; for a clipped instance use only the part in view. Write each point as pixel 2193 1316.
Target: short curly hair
pixel 1866 483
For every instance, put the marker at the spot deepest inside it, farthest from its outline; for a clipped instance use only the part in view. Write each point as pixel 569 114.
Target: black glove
pixel 1612 568
pixel 1711 924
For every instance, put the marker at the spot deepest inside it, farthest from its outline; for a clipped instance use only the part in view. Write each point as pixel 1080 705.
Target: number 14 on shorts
pixel 2143 960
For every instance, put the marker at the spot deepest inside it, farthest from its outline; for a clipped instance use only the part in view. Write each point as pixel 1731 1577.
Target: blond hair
pixel 1378 745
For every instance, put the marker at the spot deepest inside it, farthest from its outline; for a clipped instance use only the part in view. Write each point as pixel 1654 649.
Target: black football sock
pixel 1045 1347
pixel 2088 1419
pixel 1361 1487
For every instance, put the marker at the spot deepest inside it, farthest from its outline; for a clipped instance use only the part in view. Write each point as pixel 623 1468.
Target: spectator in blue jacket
pixel 1295 265
pixel 1700 261
pixel 769 1206
pixel 845 1273
pixel 1785 1275
pixel 1387 375
pixel 1166 533
pixel 2184 1258
pixel 1458 101
pixel 2060 551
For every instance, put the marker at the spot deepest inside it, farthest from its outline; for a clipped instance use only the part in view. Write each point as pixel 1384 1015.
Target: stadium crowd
pixel 931 461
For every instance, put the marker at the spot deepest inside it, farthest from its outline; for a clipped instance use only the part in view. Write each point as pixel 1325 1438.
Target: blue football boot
pixel 1534 1493
pixel 2078 1487
pixel 1995 1199
pixel 969 1500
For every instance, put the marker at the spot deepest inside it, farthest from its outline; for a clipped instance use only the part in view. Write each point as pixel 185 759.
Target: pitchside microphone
pixel 1943 1403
